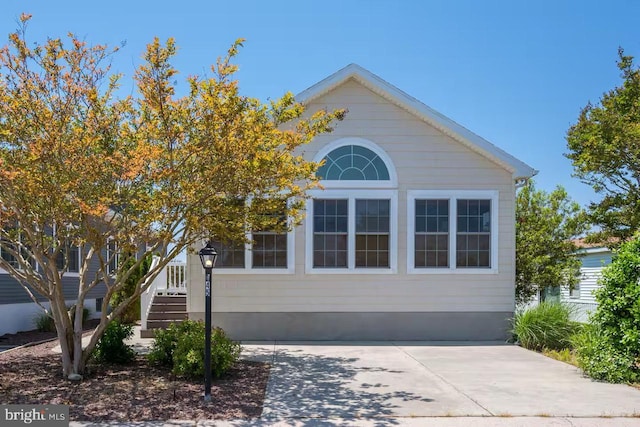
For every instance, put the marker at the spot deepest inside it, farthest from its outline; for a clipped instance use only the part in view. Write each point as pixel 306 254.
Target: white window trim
pixel 575 292
pixel 452 196
pixel 64 273
pixel 393 177
pixel 248 258
pixel 75 273
pixel 351 195
pixel 108 256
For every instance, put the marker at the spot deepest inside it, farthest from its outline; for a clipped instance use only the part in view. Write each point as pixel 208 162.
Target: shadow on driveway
pixel 320 386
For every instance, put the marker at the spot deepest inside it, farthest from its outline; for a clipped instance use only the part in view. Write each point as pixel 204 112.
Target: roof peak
pixel 518 168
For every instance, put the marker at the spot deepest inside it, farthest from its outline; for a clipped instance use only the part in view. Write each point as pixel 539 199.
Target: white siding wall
pixel 424 158
pixel 591 272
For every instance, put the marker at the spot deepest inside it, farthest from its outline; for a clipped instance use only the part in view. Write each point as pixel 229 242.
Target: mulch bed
pixel 136 392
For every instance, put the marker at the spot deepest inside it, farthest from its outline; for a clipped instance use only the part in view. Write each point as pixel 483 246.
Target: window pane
pixel 474 233
pixel 371 251
pixel 353 162
pixel 372 233
pixel 230 255
pixel 269 248
pixel 74 259
pixel 432 233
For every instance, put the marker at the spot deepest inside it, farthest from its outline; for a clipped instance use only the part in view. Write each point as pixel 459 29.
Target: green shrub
pixel 163 346
pixel 599 358
pixel 610 349
pixel 111 347
pixel 181 346
pixel 545 326
pixel 44 323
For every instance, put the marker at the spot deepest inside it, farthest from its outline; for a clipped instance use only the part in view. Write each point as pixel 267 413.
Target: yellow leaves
pixel 24 17
pixel 161 159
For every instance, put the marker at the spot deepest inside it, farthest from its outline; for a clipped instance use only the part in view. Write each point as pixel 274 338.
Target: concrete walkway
pixel 426 384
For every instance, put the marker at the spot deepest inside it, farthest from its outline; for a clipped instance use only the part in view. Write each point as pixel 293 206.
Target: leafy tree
pixel 546 223
pixel 605 150
pixel 132 313
pixel 154 173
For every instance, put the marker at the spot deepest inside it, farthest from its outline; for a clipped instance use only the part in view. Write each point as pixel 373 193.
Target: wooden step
pixel 147 333
pixel 160 324
pixel 165 308
pixel 167 315
pixel 170 299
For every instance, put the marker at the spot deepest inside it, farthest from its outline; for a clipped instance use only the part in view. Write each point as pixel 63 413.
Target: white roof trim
pixel 593 250
pixel 518 168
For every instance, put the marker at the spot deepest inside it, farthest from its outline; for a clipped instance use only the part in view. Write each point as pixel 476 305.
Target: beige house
pixel 411 239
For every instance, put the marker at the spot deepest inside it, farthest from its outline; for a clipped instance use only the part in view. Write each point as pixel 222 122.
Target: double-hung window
pixel 452 231
pixel 270 247
pixel 69 257
pixel 352 231
pixel 8 256
pixel 330 233
pixel 269 241
pixel 372 233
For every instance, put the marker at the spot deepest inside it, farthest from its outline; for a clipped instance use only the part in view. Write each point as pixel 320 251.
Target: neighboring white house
pixel 412 237
pixel 594 259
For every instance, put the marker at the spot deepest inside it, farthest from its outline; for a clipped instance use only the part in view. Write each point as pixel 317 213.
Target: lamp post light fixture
pixel 208 257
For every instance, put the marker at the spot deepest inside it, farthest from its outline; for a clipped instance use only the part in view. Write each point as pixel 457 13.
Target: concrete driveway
pixel 409 380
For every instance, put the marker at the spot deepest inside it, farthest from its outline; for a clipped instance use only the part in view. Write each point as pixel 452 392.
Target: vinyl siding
pixel 591 272
pixel 12 292
pixel 424 159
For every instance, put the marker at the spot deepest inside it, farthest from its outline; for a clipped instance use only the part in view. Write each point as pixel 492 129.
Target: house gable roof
pixel 518 168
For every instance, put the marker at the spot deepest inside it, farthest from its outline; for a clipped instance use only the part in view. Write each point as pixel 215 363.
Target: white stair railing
pixel 176 273
pixel 172 280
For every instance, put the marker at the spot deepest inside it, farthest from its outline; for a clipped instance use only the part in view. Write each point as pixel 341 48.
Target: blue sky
pixel 515 72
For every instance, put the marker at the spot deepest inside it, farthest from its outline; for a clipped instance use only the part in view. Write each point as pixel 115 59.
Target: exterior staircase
pixel 164 310
pixel 165 300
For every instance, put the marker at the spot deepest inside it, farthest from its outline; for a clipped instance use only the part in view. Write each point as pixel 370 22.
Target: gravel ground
pixel 137 392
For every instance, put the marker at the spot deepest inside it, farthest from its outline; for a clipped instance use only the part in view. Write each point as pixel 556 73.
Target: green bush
pixel 44 322
pixel 610 349
pixel 181 346
pixel 602 360
pixel 111 347
pixel 545 326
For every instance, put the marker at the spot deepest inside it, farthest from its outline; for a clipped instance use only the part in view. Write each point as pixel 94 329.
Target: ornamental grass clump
pixel 545 326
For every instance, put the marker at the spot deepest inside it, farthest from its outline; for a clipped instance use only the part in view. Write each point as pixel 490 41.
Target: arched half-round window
pixel 353 163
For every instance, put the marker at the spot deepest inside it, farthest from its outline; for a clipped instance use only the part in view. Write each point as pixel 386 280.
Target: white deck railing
pixel 172 280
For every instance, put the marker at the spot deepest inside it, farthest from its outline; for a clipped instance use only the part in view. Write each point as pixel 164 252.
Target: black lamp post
pixel 208 256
